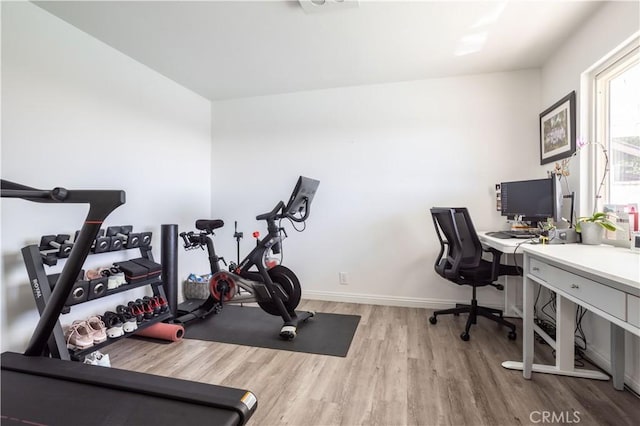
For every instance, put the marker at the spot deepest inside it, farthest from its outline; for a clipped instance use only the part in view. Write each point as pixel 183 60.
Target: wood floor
pixel 400 370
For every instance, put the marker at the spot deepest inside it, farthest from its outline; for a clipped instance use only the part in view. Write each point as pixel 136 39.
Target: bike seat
pixel 209 225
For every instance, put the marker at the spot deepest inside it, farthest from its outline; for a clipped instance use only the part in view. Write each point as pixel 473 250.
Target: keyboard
pixel 513 234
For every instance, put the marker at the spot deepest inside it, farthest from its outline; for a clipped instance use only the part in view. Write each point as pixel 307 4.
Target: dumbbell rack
pixel 41 289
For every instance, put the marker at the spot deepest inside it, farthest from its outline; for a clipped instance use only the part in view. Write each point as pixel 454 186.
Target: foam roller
pixel 162 331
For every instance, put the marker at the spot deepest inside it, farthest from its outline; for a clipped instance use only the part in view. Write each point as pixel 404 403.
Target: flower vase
pixel 591 233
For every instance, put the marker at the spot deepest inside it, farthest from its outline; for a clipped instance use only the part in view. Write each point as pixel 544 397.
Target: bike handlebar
pixel 273 214
pixel 191 239
pixel 184 237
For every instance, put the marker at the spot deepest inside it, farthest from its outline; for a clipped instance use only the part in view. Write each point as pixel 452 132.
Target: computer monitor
pixel 534 200
pixel 302 196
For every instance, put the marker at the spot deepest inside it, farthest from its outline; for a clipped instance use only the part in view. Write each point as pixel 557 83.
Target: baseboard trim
pixel 376 299
pixel 604 363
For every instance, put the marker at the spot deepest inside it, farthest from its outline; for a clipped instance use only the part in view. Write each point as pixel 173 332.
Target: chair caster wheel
pixel 464 336
pixel 500 287
pixel 512 335
pixel 433 320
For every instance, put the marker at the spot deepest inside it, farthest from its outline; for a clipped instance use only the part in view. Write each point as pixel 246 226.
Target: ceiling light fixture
pixel 314 6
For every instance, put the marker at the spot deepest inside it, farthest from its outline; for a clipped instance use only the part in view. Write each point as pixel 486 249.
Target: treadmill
pixel 39 390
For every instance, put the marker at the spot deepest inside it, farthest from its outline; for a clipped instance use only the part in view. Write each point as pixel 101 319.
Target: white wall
pixel 612 25
pixel 384 154
pixel 76 113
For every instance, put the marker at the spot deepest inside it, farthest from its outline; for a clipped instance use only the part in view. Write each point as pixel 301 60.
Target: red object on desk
pixel 634 226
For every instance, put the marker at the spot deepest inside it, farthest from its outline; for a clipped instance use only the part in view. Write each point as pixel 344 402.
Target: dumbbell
pixel 145 239
pixel 57 245
pixel 101 244
pixel 49 257
pixel 79 291
pixel 125 235
pixel 48 252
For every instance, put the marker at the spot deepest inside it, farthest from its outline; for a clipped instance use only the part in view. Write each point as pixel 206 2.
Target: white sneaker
pixel 97 358
pixel 116 280
pixel 129 324
pixel 113 324
pixel 113 282
pixel 103 360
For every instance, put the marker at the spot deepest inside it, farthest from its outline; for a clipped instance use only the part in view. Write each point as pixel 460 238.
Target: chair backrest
pixel 460 247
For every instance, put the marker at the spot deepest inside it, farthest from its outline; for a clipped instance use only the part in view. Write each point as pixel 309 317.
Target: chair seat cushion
pixel 480 275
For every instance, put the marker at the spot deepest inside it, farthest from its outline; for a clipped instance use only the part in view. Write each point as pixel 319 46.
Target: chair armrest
pixel 495 262
pixel 498 269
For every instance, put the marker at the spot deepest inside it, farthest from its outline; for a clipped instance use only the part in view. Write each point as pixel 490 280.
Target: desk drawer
pixel 540 270
pixel 594 293
pixel 633 310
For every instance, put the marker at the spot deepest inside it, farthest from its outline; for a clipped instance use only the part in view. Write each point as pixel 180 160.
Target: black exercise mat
pixel 324 334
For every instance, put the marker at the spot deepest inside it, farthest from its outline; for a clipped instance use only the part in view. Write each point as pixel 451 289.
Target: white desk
pixel 509 247
pixel 603 279
pixel 505 245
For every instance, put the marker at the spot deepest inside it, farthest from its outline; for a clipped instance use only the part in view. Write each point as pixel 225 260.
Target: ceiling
pixel 231 49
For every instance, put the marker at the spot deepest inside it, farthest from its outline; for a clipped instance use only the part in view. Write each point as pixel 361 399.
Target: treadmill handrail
pixel 101 204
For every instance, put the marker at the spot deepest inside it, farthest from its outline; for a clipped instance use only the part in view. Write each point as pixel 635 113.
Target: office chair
pixel 460 261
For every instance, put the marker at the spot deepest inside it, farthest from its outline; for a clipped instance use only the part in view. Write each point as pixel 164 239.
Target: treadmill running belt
pixel 36 391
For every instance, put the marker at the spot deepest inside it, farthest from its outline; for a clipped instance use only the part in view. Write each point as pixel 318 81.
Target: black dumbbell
pixel 49 257
pixel 48 252
pixel 101 244
pixel 60 245
pixel 145 239
pixel 79 291
pixel 125 234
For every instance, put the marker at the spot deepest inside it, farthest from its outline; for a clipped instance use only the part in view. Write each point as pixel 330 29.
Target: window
pixel 617 128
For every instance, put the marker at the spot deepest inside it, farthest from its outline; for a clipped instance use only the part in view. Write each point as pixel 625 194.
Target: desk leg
pixel 527 321
pixel 507 297
pixel 617 356
pixel 565 333
pixel 512 286
pixel 564 345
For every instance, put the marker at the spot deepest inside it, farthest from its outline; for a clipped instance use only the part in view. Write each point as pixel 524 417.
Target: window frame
pixel 602 116
pixel 590 110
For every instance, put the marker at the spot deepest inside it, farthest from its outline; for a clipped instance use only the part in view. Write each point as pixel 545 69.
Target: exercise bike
pixel 258 277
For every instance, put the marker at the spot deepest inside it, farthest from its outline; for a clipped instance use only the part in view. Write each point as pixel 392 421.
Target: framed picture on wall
pixel 558 130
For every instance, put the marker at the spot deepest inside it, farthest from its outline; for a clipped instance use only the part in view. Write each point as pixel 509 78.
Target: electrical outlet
pixel 344 278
